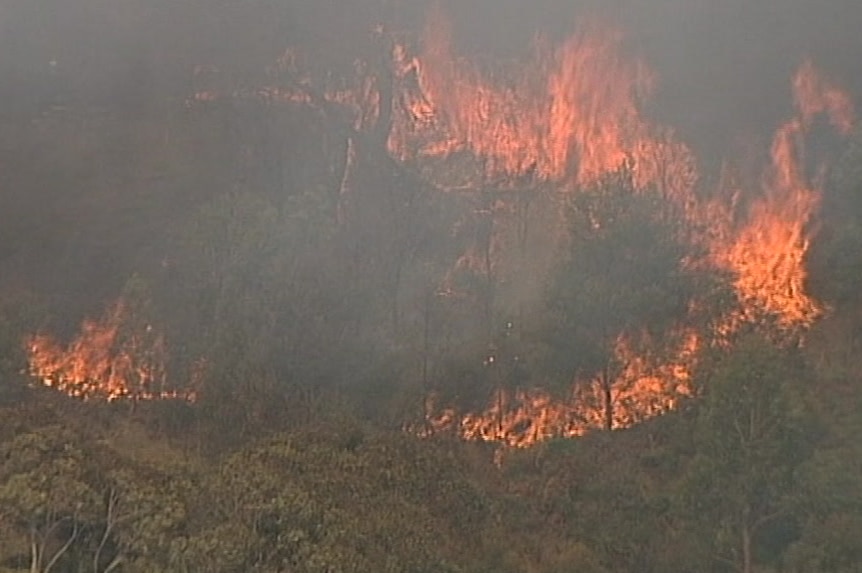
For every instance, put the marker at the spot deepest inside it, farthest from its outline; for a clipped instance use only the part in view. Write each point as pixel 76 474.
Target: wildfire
pixel 767 253
pixel 565 116
pixel 568 115
pixel 644 388
pixel 108 360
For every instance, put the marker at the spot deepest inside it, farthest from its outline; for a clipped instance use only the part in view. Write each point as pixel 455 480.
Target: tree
pixel 834 260
pixel 623 274
pixel 45 493
pixel 261 304
pixel 261 518
pixel 141 513
pixel 829 491
pixel 19 317
pixel 314 503
pixel 754 429
pixel 831 497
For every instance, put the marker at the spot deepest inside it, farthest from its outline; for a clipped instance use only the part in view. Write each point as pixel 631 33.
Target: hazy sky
pixel 723 65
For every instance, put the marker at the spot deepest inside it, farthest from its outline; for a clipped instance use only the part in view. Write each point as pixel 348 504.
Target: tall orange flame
pixel 568 115
pixel 767 253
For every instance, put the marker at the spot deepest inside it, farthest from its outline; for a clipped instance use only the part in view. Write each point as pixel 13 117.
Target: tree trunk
pixel 393 297
pixel 523 228
pixel 609 401
pixel 113 499
pixel 501 404
pixel 486 241
pixel 609 407
pixel 35 553
pixel 63 548
pixel 385 78
pixel 746 548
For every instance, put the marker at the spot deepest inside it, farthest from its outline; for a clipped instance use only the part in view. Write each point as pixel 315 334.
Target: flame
pixel 814 95
pixel 522 417
pixel 568 115
pixel 107 360
pixel 767 253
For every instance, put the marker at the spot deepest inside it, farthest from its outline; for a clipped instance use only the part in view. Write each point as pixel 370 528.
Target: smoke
pixel 716 60
pixel 722 67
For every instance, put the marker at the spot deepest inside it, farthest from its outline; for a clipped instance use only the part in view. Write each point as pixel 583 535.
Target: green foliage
pixel 142 515
pixel 830 492
pixel 830 544
pixel 44 492
pixel 311 505
pixel 754 430
pixel 44 475
pixel 340 495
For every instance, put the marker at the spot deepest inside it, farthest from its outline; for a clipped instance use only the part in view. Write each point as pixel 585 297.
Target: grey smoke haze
pixel 723 67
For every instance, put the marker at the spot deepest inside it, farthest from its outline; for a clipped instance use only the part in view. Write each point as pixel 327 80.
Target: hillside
pixel 428 298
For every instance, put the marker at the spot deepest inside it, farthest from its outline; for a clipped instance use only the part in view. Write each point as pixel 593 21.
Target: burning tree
pixel 623 279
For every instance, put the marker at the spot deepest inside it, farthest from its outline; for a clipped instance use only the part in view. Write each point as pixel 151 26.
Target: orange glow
pixel 645 388
pixel 813 95
pixel 108 360
pixel 567 115
pixel 767 252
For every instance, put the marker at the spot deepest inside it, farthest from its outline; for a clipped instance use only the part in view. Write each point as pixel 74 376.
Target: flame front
pixel 107 360
pixel 520 418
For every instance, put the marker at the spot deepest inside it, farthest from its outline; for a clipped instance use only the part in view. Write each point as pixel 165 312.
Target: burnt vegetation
pixel 292 287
